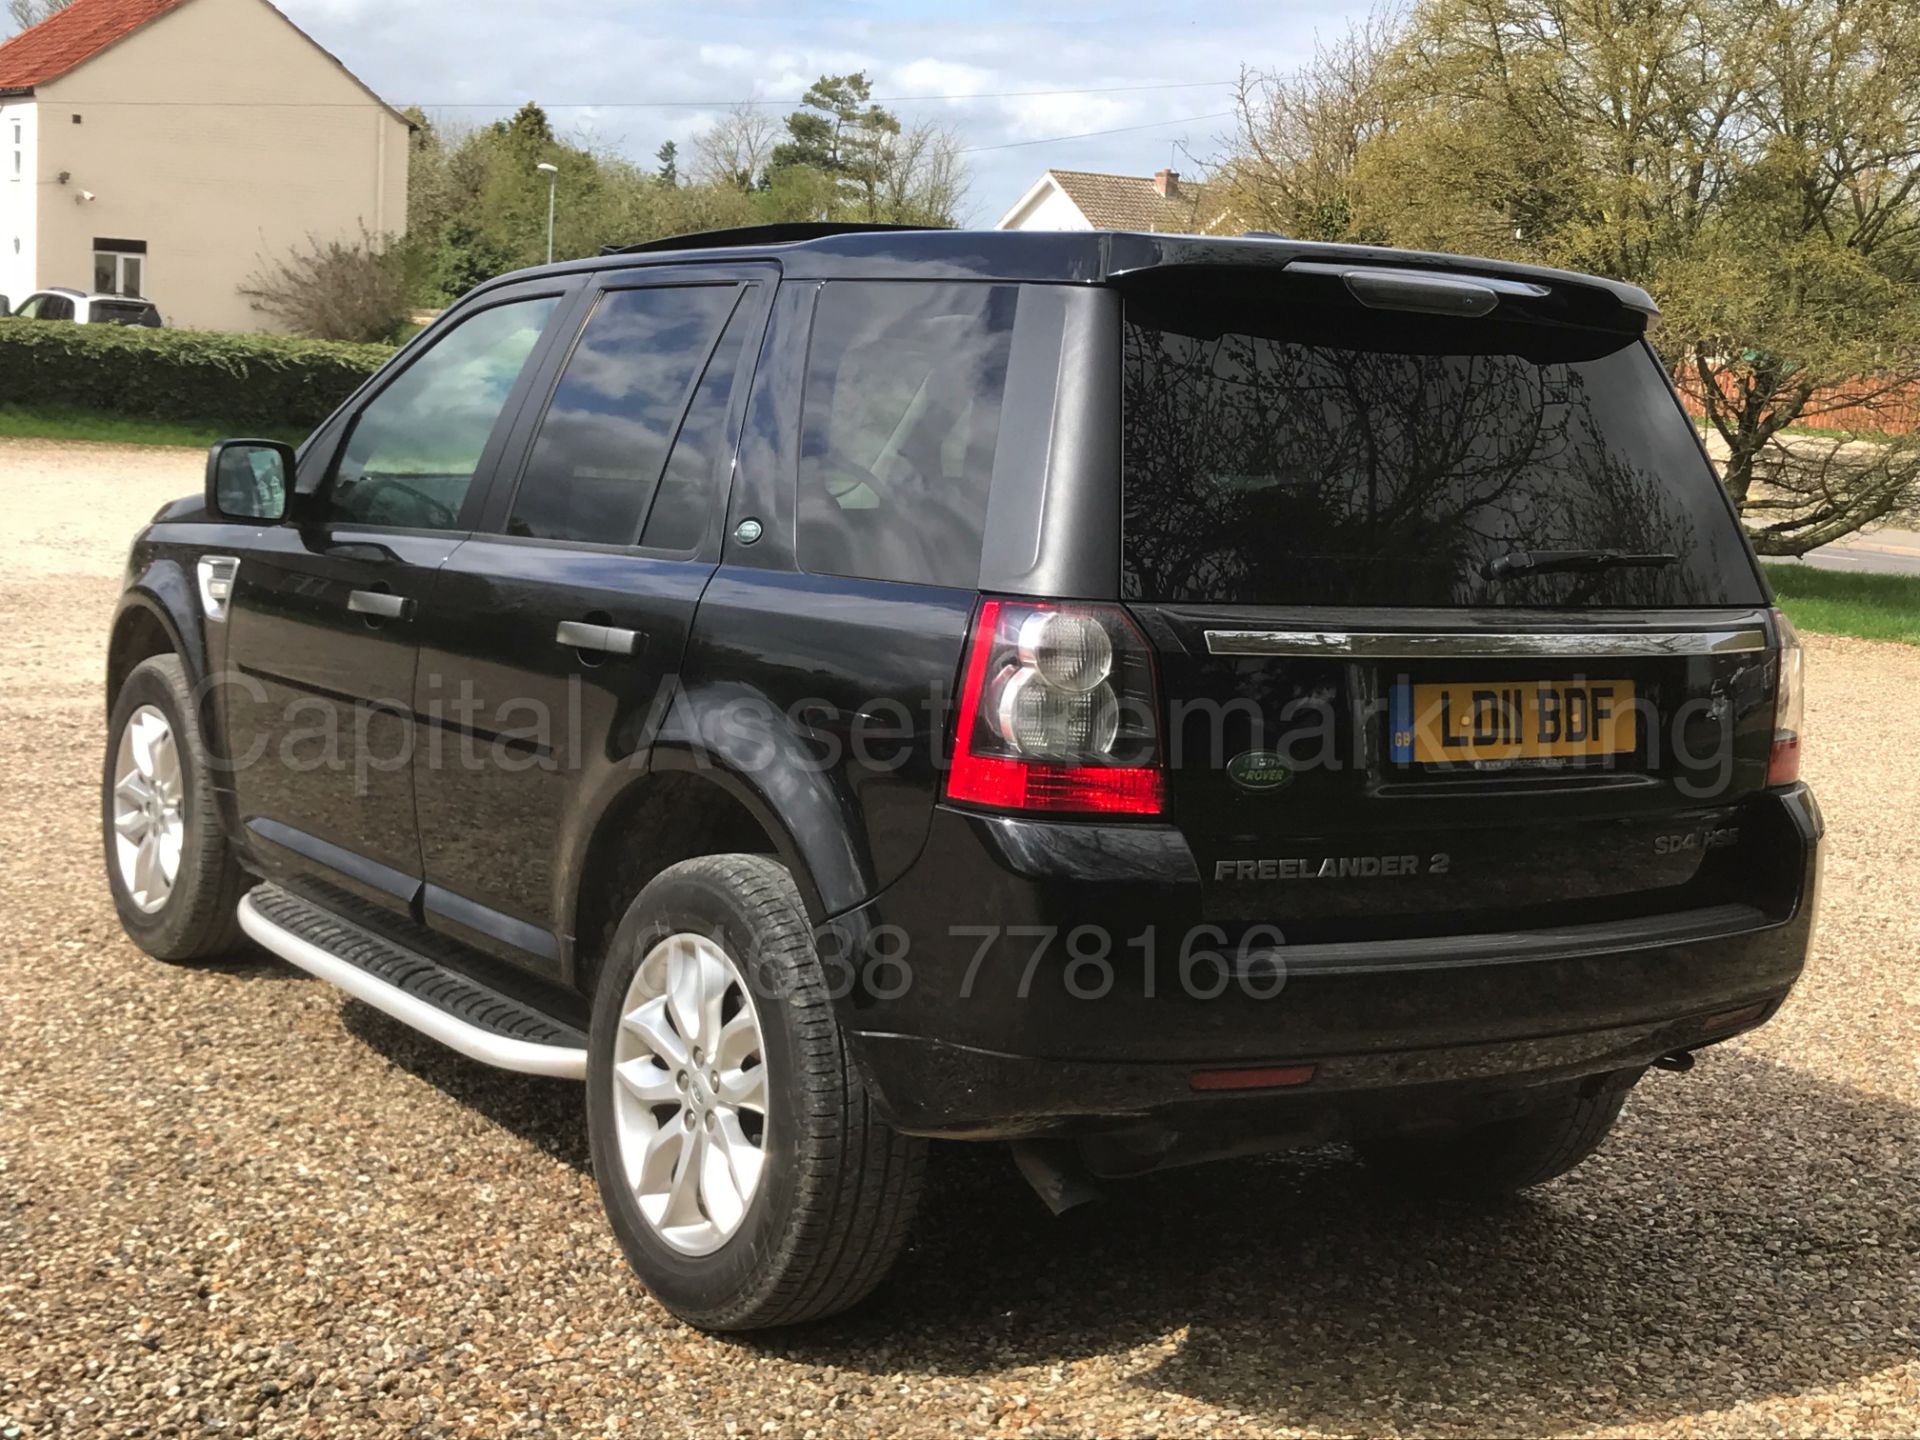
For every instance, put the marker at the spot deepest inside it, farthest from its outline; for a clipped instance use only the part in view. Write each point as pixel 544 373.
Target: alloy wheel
pixel 690 1093
pixel 149 808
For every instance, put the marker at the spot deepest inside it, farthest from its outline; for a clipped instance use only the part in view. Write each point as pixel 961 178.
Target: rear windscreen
pixel 1283 453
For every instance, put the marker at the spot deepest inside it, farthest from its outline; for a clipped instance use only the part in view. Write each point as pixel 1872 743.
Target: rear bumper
pixel 1031 979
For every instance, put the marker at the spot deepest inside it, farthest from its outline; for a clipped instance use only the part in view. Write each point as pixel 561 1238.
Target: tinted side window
pixel 680 510
pixel 413 451
pixel 901 420
pixel 56 307
pixel 604 441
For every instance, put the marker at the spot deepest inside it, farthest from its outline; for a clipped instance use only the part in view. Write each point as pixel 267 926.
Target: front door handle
pixel 379 604
pixel 606 639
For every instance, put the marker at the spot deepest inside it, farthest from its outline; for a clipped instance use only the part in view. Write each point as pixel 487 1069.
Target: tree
pixel 840 133
pixel 477 202
pixel 846 158
pixel 1753 162
pixel 1300 134
pixel 735 150
pixel 28 13
pixel 920 179
pixel 334 290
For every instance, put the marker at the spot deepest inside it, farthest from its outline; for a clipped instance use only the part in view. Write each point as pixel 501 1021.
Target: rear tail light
pixel 1057 713
pixel 1789 703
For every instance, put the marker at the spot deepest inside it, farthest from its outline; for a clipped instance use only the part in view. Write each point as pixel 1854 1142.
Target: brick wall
pixel 1878 410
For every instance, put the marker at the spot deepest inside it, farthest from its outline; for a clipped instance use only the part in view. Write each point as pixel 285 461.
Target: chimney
pixel 1166 184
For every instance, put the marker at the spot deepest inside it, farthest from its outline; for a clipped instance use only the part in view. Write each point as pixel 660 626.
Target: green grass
pixel 21 422
pixel 1844 602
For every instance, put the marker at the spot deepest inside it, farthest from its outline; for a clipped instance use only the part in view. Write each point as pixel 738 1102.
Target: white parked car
pixel 61 303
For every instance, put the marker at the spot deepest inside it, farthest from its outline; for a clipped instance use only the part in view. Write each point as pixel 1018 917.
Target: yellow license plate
pixel 1464 722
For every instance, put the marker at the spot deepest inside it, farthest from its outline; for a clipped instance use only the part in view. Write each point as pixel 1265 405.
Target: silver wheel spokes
pixel 149 808
pixel 690 1093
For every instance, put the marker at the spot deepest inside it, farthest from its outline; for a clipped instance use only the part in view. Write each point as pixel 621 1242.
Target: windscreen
pixel 1289 453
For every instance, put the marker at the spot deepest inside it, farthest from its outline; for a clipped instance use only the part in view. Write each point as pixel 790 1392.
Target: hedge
pixel 195 375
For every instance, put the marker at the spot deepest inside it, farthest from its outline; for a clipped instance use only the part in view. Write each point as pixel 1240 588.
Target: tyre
pixel 738 1155
pixel 174 879
pixel 1501 1156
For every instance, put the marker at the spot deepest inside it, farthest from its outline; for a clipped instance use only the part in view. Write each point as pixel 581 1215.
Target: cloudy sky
pixel 605 68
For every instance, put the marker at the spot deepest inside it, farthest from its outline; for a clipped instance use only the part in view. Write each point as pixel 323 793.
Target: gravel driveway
pixel 231 1202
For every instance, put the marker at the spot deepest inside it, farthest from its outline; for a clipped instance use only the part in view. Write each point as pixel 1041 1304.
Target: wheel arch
pixel 146 624
pixel 670 813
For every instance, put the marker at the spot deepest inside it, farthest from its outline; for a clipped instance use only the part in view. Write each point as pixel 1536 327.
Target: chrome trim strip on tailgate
pixel 1422 644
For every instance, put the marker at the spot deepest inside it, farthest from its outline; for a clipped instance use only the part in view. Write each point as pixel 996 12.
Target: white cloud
pixel 939 77
pixel 615 55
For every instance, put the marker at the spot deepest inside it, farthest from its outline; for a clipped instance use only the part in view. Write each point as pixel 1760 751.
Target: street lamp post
pixel 553 183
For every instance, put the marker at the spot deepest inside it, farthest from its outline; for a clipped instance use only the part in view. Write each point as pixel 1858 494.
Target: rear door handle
pixel 379 603
pixel 606 639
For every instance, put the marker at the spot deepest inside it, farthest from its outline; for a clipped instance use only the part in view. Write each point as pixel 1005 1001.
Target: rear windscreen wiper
pixel 1538 562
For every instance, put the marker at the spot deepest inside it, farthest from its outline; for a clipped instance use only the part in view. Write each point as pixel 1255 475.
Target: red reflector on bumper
pixel 1267 1079
pixel 1733 1019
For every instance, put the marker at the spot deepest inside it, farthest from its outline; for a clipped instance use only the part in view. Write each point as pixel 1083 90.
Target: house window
pixel 119 267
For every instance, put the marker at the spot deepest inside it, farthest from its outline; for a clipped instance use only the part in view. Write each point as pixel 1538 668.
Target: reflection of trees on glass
pixel 1367 458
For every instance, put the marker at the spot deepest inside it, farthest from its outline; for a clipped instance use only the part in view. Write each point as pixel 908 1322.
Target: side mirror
pixel 250 480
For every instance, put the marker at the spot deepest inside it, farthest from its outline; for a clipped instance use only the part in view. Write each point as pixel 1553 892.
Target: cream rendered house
pixel 171 148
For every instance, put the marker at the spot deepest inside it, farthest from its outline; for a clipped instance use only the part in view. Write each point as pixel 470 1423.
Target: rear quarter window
pixel 1282 453
pixel 899 428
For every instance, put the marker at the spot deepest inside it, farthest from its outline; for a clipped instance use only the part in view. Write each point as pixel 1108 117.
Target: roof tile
pixel 71 37
pixel 1129 202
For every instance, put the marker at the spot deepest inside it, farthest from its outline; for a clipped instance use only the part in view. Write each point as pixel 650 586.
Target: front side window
pixel 413 451
pixel 900 427
pixel 601 447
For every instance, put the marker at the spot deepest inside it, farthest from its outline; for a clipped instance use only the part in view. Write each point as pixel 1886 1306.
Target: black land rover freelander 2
pixel 1138 697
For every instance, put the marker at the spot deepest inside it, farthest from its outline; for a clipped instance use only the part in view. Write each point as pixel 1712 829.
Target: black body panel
pixel 1004 994
pixel 523 740
pixel 319 711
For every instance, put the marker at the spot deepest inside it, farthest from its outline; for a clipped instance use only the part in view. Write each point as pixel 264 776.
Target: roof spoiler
pixel 1143 259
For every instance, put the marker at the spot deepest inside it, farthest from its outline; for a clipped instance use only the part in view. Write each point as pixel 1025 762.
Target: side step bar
pixel 439 1002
